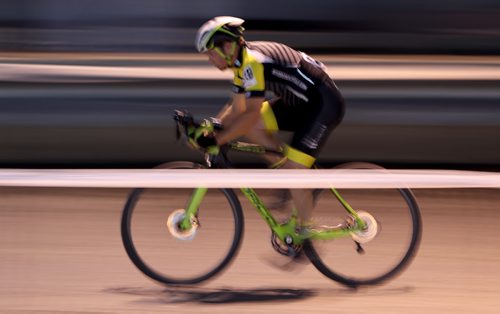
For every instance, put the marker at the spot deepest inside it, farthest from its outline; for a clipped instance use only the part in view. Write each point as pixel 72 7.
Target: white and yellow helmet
pixel 218 28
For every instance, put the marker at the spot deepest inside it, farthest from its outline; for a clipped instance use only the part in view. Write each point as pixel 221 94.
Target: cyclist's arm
pixel 249 92
pixel 245 114
pixel 224 111
pixel 232 109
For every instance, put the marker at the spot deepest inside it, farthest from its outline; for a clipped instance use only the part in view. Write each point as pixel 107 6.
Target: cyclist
pixel 275 88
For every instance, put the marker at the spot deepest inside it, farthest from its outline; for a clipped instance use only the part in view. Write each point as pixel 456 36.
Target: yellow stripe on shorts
pixel 268 117
pixel 299 157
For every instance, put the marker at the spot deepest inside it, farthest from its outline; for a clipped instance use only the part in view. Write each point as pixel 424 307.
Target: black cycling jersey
pixel 309 104
pixel 274 67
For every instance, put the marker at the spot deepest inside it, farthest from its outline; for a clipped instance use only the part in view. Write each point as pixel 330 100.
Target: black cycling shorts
pixel 312 122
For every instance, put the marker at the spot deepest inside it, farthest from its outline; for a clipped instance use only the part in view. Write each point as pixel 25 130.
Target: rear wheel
pixel 375 254
pixel 162 251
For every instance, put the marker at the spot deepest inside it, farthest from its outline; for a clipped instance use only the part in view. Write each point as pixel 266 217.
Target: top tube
pixel 250 148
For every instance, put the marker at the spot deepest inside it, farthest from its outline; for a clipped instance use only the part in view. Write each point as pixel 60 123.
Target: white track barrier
pixel 255 178
pixel 395 71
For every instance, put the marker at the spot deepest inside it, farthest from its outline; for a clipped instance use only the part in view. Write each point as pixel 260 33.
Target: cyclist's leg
pixel 309 138
pixel 302 198
pixel 264 133
pixel 311 125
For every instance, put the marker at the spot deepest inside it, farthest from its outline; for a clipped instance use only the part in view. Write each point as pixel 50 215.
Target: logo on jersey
pixel 248 77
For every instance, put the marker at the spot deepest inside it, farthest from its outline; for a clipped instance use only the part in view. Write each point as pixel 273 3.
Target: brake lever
pixel 183 120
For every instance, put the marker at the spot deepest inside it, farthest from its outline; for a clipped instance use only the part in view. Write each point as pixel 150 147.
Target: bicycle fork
pixel 191 210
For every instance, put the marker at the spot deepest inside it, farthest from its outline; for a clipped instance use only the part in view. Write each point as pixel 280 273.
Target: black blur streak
pixel 218 296
pixel 229 295
pixel 237 296
pixel 409 23
pixel 295 25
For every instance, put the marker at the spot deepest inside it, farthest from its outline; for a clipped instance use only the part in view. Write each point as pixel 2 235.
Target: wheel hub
pixel 174 226
pixel 370 231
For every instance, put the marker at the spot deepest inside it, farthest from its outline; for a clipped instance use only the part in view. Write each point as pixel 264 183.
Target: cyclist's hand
pixel 206 140
pixel 203 137
pixel 209 143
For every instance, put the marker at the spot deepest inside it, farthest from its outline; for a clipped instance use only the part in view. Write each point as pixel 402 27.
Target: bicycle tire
pixel 316 256
pixel 137 256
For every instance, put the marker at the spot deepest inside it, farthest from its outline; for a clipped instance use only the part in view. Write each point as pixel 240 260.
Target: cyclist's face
pixel 216 59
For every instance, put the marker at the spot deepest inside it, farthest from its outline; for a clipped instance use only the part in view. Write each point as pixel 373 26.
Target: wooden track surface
pixel 61 252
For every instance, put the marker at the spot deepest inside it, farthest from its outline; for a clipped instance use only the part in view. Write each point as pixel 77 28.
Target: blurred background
pixel 93 83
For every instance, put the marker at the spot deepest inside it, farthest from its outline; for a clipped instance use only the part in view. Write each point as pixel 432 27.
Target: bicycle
pixel 369 246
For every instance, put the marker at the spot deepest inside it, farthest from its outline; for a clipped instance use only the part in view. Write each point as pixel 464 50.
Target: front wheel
pixel 380 251
pixel 163 252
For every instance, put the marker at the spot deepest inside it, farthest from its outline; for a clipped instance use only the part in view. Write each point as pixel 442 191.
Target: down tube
pixel 259 205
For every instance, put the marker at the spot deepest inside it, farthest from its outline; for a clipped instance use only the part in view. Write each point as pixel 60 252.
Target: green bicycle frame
pixel 284 231
pixel 289 229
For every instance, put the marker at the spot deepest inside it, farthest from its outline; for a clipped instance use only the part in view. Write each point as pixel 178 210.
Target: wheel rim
pixel 386 254
pixel 168 260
